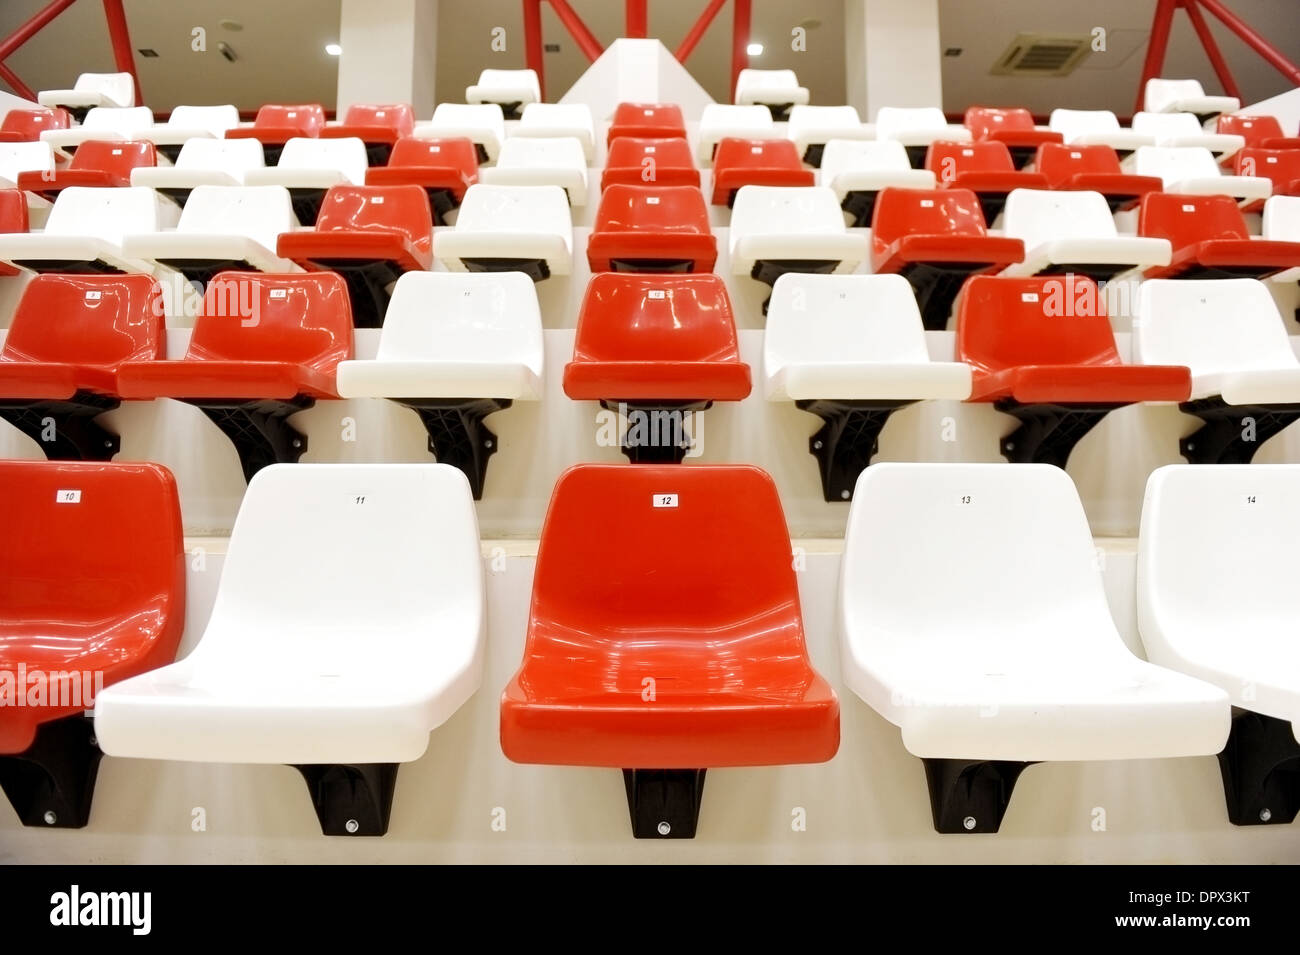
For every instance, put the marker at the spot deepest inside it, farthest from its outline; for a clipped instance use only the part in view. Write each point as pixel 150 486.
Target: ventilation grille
pixel 1035 54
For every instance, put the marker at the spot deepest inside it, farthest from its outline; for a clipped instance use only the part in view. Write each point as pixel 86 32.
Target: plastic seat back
pixel 1071 123
pixel 117 87
pixel 299 120
pixel 651 208
pixel 985 122
pixel 455 153
pixel 947 160
pixel 398 117
pixel 383 559
pixel 249 316
pixel 656 318
pixel 18 158
pixel 26 125
pixel 852 155
pixel 1166 125
pixel 1174 163
pixel 702 554
pixel 115 157
pixel 788 210
pixel 465 317
pixel 346 156
pixel 258 212
pixel 1060 162
pixel 903 212
pixel 1187 220
pixel 232 156
pixel 107 213
pixel 13 211
pixel 1010 322
pixel 402 210
pixel 1256 130
pixel 647 156
pixel 1279 166
pixel 647 121
pixel 125 121
pixel 1210 325
pixel 215 119
pixel 892 122
pixel 1281 219
pixel 1039 215
pixel 102 321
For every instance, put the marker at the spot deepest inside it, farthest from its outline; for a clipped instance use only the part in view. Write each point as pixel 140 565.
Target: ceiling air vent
pixel 1039 54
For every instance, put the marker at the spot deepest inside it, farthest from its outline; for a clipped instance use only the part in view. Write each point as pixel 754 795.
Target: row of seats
pixel 457 348
pixel 1014 660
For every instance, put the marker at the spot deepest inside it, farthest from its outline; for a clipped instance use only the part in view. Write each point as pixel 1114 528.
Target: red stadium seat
pixel 264 348
pixel 1279 166
pixel 1210 239
pixel 26 125
pixel 92 586
pixel 379 127
pixel 756 162
pixel 276 124
pixel 936 239
pixel 1264 132
pixel 97 163
pixel 984 168
pixel 1014 128
pixel 673 644
pixel 647 121
pixel 662 346
pixel 649 162
pixel 652 229
pixel 70 335
pixel 369 235
pixel 1093 169
pixel 1041 349
pixel 443 168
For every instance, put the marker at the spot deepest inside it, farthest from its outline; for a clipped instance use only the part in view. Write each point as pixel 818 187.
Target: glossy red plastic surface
pixel 656 337
pixel 1013 126
pixel 1209 232
pixel 647 121
pixel 1280 166
pixel 633 161
pixel 935 225
pixel 756 162
pixel 450 164
pixel 666 636
pixel 366 223
pixel 1092 169
pixel 106 163
pixel 277 123
pixel 260 336
pixel 980 167
pixel 26 125
pixel 13 218
pixel 72 333
pixel 1261 131
pixel 96 586
pixel 1046 339
pixel 652 223
pixel 385 123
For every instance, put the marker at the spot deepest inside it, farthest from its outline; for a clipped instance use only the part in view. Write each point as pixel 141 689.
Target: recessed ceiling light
pixel 234 26
pixel 147 52
pixel 333 49
pixel 754 49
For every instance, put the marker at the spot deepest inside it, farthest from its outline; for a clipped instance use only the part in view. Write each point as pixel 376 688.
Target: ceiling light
pixel 333 49
pixel 754 49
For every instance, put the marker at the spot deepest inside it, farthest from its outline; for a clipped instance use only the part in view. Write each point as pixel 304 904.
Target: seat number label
pixel 655 293
pixel 664 500
pixel 68 496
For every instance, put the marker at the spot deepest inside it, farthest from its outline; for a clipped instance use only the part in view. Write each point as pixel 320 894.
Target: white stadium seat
pixel 812 127
pixel 191 122
pixel 23 157
pixel 1185 96
pixel 1192 171
pixel 1066 231
pixel 856 171
pixel 778 90
pixel 1182 129
pixel 86 226
pixel 720 121
pixel 308 167
pixel 91 90
pixel 559 120
pixel 851 350
pixel 220 228
pixel 483 124
pixel 1281 223
pixel 916 128
pixel 972 616
pixel 510 228
pixel 373 639
pixel 509 89
pixel 103 122
pixel 788 225
pixel 1096 127
pixel 202 162
pixel 541 162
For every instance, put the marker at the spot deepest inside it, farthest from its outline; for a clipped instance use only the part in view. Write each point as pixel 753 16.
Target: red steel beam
pixel 742 20
pixel 586 41
pixel 635 19
pixel 15 84
pixel 1156 47
pixel 120 37
pixel 697 31
pixel 1252 39
pixel 33 26
pixel 1220 65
